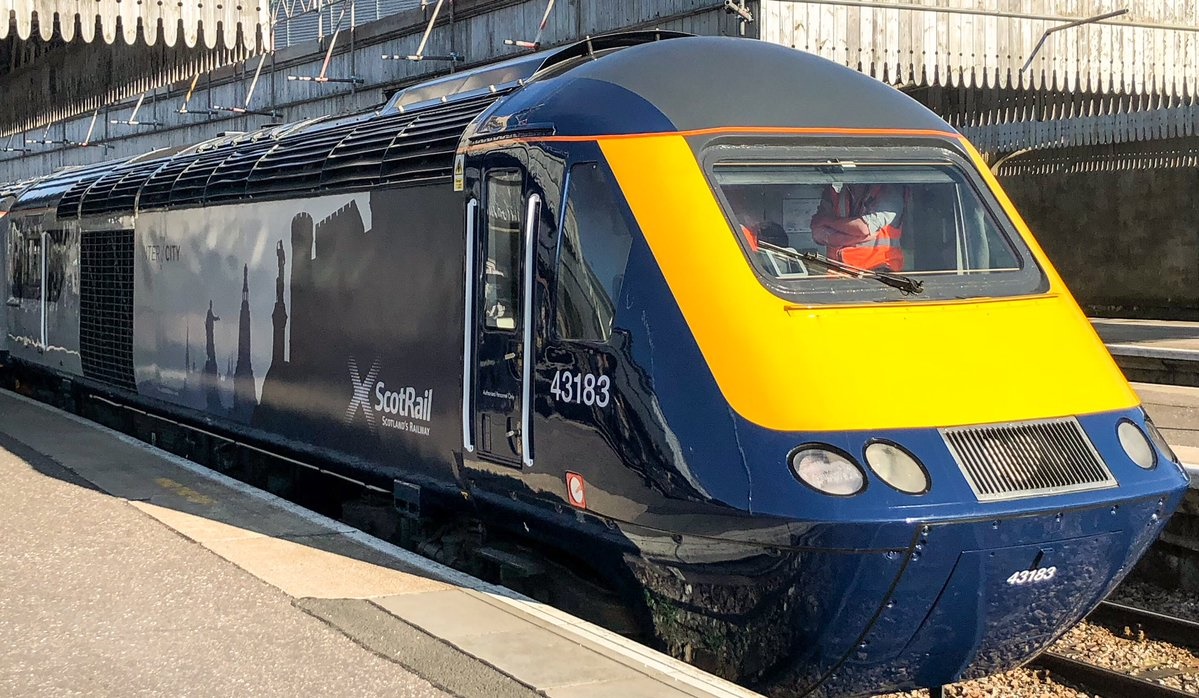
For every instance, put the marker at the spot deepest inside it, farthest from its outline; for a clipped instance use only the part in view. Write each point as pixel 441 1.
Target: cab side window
pixel 25 258
pixel 593 249
pixel 26 266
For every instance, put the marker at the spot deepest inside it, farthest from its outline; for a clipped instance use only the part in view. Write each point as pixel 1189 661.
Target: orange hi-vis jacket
pixel 881 250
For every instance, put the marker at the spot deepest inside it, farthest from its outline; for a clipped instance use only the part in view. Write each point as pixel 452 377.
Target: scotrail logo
pixel 372 396
pixel 361 399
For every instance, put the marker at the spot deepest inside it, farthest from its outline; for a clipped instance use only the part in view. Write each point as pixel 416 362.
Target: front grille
pixel 1027 459
pixel 106 306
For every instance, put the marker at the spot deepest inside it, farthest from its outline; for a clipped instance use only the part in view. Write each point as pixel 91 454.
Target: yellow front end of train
pixel 905 363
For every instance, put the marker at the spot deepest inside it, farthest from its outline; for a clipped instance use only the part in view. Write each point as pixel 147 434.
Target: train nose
pixel 984 596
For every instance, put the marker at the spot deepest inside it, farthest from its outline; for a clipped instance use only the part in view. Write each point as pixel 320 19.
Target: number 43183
pixel 1022 577
pixel 581 388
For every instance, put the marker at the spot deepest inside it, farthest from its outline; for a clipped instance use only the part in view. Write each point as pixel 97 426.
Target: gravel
pixel 1131 653
pixel 1018 683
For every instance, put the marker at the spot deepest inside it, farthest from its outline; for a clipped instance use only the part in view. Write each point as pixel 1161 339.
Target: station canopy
pixel 212 24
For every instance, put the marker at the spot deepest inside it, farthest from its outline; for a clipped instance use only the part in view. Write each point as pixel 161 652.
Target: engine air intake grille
pixel 106 307
pixel 1027 459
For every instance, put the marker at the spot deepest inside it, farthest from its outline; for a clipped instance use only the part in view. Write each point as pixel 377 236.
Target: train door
pixel 501 219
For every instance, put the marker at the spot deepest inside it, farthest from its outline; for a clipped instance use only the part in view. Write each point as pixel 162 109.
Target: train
pixel 587 314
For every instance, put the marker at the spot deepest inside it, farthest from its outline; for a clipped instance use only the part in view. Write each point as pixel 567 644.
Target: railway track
pixel 1102 681
pixel 1119 683
pixel 1156 626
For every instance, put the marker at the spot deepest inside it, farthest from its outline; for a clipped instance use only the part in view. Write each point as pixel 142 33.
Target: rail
pixel 1113 683
pixel 1156 626
pixel 1098 680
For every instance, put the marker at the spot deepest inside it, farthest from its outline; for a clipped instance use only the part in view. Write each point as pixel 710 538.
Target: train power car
pixel 596 303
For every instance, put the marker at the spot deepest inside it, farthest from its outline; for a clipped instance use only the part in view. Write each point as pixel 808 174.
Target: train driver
pixel 860 224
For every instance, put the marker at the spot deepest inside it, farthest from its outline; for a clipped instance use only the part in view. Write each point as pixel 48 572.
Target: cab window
pixel 925 221
pixel 593 250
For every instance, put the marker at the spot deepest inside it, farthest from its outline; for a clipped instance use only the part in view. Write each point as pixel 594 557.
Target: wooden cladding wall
pixel 1005 120
pixel 1154 49
pixel 1170 154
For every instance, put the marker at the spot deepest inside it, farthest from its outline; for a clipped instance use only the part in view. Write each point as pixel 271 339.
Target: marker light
pixel 897 468
pixel 1160 441
pixel 1136 444
pixel 827 471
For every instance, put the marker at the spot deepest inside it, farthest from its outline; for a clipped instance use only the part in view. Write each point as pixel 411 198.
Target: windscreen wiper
pixel 905 284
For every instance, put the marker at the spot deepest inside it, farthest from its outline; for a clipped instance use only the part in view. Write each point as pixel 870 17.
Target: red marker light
pixel 576 490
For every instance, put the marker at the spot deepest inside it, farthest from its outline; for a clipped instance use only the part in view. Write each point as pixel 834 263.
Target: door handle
pixel 512 433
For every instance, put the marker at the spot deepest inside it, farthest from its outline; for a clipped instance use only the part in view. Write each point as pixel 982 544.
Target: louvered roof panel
pixel 123 197
pixel 295 163
pixel 69 204
pixel 188 188
pixel 48 191
pixel 358 157
pixel 427 146
pixel 228 181
pixel 156 192
pixel 116 191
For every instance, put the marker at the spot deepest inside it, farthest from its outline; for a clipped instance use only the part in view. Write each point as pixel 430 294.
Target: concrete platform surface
pixel 1151 338
pixel 128 571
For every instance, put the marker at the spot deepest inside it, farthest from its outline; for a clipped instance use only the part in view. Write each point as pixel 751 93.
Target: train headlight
pixel 1160 441
pixel 1136 444
pixel 827 470
pixel 897 467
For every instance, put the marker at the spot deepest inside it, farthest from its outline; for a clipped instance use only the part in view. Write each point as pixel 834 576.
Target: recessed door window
pixel 502 266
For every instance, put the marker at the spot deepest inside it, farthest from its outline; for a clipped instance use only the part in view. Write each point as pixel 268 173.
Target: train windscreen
pixel 920 227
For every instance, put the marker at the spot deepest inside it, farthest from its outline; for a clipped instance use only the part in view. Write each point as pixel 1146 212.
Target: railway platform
pixel 1175 410
pixel 1154 351
pixel 1162 357
pixel 129 571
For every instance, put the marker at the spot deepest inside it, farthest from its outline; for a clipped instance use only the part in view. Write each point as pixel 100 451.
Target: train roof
pixel 697 83
pixel 632 82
